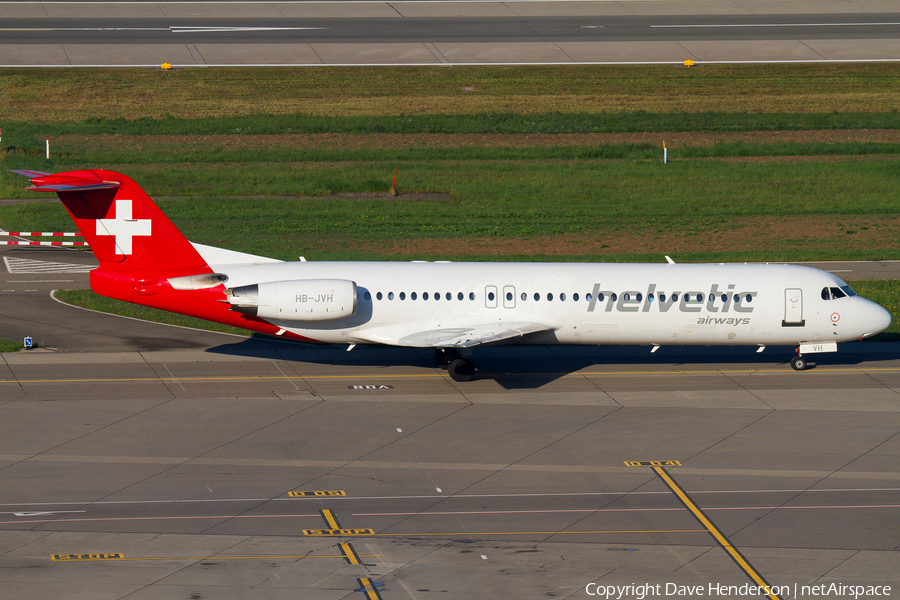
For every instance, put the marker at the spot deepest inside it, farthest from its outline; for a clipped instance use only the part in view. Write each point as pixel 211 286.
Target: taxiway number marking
pixel 83 557
pixel 652 463
pixel 326 493
pixel 723 541
pixel 337 532
pixel 369 588
pixel 64 558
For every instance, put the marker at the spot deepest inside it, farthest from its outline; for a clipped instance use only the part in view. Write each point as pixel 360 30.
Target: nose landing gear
pixel 798 363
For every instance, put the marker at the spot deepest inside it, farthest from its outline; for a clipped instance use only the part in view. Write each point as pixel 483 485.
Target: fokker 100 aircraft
pixel 453 307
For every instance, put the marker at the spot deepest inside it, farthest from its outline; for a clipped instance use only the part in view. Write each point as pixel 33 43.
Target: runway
pixel 444 33
pixel 142 461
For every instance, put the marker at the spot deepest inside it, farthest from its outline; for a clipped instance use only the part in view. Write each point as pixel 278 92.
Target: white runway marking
pixel 20 266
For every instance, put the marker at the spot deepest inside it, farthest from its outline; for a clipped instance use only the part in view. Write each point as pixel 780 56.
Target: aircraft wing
pixel 475 335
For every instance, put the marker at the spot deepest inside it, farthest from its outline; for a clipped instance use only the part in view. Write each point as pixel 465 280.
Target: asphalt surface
pixel 487 29
pixel 144 461
pixel 445 33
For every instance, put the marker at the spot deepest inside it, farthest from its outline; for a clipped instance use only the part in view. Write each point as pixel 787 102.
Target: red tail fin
pixel 134 241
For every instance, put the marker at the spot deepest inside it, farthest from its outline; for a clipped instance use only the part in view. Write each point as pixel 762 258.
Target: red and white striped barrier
pixel 43 243
pixel 40 233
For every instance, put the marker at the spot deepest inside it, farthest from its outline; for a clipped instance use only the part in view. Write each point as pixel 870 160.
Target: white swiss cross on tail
pixel 123 227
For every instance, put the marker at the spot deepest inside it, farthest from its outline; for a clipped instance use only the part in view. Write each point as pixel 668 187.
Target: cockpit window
pixel 833 293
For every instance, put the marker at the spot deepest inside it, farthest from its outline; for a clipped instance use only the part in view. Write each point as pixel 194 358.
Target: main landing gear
pixel 798 363
pixel 459 368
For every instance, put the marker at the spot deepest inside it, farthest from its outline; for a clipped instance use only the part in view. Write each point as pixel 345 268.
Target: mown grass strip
pixel 53 95
pixel 31 134
pixel 171 154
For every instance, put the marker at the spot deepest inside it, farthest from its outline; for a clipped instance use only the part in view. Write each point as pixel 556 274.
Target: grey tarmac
pixel 148 462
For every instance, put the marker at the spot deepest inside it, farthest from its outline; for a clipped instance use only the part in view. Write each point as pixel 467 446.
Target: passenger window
pixel 588 297
pixel 675 297
pixel 650 297
pixel 737 298
pixel 449 296
pixel 613 297
pixel 537 296
pixel 412 296
pixel 575 296
pixel 471 295
pixel 626 296
pixel 600 297
pixel 550 297
pixel 662 297
pixel 509 295
pixel 491 296
pixel 424 295
pixel 639 297
pixel 403 295
pixel 378 295
pixel 748 298
pixel 524 296
pixel 700 298
pixel 724 297
pixel 368 296
pixel 459 296
pixel 562 297
pixel 390 295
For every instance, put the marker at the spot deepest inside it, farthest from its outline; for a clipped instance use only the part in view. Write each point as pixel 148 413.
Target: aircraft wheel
pixel 461 369
pixel 798 363
pixel 444 356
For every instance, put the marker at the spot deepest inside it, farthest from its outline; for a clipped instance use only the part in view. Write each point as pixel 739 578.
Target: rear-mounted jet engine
pixel 297 300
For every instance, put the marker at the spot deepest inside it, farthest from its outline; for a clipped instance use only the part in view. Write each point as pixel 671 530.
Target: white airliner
pixel 454 307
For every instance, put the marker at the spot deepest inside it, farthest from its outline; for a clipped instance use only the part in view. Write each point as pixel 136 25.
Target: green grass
pixel 88 299
pixel 53 95
pixel 10 345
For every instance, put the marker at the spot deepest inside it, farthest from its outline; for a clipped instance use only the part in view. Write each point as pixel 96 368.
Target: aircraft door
pixel 793 308
pixel 490 296
pixel 509 296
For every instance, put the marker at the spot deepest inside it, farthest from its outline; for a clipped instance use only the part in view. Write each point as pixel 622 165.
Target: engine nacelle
pixel 296 300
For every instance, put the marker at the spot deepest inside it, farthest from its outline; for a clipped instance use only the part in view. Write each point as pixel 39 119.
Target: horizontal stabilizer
pixel 66 182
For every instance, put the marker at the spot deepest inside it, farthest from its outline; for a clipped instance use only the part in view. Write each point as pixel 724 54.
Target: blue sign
pixel 28 343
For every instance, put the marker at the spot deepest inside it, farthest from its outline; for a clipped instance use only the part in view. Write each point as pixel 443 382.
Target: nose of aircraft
pixel 878 320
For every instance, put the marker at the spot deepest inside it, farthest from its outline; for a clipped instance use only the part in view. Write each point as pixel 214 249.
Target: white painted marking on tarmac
pixel 210 489
pixel 440 491
pixel 399 430
pixel 414 497
pixel 171 518
pixel 186 29
pixel 484 557
pixel 172 29
pixel 708 26
pixel 42 513
pixel 613 510
pixel 27 266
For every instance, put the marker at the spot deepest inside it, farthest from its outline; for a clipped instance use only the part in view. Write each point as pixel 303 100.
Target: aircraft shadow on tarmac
pixel 531 367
